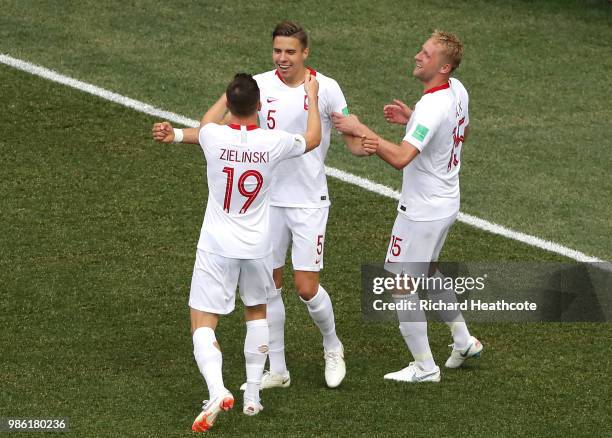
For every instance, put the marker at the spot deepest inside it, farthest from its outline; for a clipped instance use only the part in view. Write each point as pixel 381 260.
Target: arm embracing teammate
pixel 235 245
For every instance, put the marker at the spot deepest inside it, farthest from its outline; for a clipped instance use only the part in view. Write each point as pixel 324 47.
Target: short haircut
pixel 242 95
pixel 291 29
pixel 452 47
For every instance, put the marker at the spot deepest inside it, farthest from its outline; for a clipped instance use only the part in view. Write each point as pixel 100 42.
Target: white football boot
pixel 458 357
pixel 210 410
pixel 335 368
pixel 412 373
pixel 272 380
pixel 251 407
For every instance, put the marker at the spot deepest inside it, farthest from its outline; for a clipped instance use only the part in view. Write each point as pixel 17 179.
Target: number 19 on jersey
pixel 250 195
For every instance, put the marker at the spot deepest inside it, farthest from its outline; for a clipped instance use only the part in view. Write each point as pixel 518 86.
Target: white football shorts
pixel 414 244
pixel 305 229
pixel 214 281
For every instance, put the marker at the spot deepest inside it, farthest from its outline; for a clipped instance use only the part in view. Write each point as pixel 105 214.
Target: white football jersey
pixel 430 188
pixel 241 162
pixel 299 182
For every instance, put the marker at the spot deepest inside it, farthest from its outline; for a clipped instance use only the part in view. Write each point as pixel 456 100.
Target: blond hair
pixel 452 47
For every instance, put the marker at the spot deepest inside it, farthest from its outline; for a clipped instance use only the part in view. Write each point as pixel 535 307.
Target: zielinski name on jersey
pixel 237 156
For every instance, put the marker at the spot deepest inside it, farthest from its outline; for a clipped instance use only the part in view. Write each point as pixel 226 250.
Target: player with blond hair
pixel 430 156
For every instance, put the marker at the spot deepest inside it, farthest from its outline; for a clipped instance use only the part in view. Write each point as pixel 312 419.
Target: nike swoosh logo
pixel 467 352
pixel 270 100
pixel 419 379
pixel 285 381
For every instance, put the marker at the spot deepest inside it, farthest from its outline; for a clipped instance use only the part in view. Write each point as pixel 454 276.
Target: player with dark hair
pixel 235 244
pixel 242 95
pixel 299 197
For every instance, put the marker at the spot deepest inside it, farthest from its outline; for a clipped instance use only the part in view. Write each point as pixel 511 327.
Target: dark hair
pixel 242 95
pixel 291 29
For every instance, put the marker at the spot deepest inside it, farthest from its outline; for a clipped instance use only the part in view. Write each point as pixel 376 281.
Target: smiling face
pixel 289 56
pixel 430 62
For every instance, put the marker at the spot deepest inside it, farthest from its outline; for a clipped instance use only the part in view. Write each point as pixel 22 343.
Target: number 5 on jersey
pixel 395 249
pixel 249 194
pixel 271 122
pixel 320 241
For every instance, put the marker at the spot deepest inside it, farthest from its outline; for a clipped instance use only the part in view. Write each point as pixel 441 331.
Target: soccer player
pixel 300 199
pixel 429 155
pixel 235 245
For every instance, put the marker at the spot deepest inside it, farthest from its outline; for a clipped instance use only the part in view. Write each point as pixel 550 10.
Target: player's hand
pixel 397 112
pixel 370 144
pixel 311 85
pixel 163 132
pixel 346 124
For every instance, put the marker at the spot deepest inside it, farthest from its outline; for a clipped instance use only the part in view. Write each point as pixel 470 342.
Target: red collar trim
pixel 312 72
pixel 248 127
pixel 279 76
pixel 438 88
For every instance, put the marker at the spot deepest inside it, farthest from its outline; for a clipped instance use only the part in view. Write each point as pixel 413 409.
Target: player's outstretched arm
pixel 216 113
pixel 353 133
pixel 313 125
pixel 350 125
pixel 355 145
pixel 397 112
pixel 398 156
pixel 163 132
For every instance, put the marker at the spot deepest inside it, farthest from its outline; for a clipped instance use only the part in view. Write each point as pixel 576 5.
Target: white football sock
pixel 209 360
pixel 453 318
pixel 413 327
pixel 255 353
pixel 322 313
pixel 275 314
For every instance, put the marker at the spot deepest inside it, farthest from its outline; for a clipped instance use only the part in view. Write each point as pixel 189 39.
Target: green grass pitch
pixel 99 224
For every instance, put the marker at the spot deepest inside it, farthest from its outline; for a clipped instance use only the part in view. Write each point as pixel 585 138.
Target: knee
pixel 307 290
pixel 307 284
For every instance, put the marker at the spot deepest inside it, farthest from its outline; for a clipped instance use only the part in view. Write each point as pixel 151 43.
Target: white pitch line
pixel 474 221
pixel 331 171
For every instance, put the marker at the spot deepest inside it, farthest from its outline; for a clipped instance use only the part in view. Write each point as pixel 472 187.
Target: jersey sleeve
pixel 423 124
pixel 204 135
pixel 291 145
pixel 337 102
